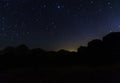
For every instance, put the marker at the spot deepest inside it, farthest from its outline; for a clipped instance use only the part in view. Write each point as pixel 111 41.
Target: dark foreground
pixel 99 62
pixel 60 75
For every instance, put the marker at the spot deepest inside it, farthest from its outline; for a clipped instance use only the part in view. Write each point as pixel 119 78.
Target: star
pixel 110 7
pixel 3 29
pixel 16 34
pixel 11 39
pixel 27 33
pixel 52 23
pixel 55 26
pixel 58 6
pixel 109 3
pixel 110 31
pixel 37 20
pixel 47 28
pixel 119 26
pixel 15 25
pixel 100 10
pixel 3 18
pixel 44 5
pixel 92 2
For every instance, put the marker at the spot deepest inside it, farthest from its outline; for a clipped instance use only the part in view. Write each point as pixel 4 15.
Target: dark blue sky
pixel 56 24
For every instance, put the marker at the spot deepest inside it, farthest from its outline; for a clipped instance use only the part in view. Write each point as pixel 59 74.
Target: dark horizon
pixel 57 50
pixel 68 49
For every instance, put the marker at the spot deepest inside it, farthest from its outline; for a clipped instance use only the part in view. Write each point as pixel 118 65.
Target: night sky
pixel 56 24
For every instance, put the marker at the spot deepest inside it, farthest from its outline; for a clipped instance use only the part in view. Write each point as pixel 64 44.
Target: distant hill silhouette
pixel 97 53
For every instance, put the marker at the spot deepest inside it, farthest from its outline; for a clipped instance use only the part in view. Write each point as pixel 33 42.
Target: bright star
pixel 58 6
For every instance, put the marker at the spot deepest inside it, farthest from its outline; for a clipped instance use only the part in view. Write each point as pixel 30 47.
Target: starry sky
pixel 56 24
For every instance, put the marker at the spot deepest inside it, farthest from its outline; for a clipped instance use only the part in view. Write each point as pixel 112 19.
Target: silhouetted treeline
pixel 97 53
